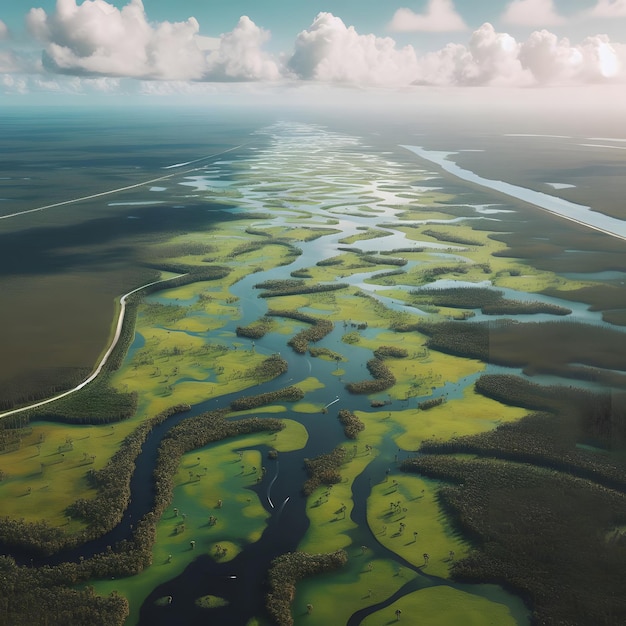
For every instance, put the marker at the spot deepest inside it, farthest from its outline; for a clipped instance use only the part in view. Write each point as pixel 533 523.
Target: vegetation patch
pixel 302 289
pixel 211 602
pixel 383 260
pixel 319 329
pixel 96 403
pixel 548 347
pixel 595 418
pixel 442 606
pixel 405 516
pixel 326 354
pixel 363 581
pixel 537 544
pixel 256 330
pixel 382 375
pixel 323 470
pixel 352 425
pixel 287 570
pixel 489 301
pixel 391 352
pixel 287 394
pixel 451 238
pixel 369 233
pixel 425 405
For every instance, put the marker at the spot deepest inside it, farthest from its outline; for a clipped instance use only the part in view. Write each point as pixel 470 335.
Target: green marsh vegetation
pixel 319 328
pixel 515 514
pixel 289 569
pixel 447 606
pixel 189 350
pixel 489 301
pixel 257 329
pixel 569 349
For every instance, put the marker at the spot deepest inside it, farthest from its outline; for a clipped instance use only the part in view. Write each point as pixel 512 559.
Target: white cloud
pixel 602 60
pixel 96 38
pixel 103 49
pixel 552 61
pixel 13 85
pixel 536 13
pixel 549 58
pixel 491 58
pixel 331 52
pixel 239 55
pixel 440 16
pixel 608 8
pixel 4 31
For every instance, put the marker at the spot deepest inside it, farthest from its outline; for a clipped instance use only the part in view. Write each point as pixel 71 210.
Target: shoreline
pixel 537 199
pixel 103 360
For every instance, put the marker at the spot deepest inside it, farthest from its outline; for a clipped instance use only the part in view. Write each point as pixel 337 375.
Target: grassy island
pixel 301 290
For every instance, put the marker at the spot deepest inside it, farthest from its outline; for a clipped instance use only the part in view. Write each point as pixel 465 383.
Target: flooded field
pixel 352 337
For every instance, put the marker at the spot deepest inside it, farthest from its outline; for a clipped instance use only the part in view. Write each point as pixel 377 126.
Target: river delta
pixel 339 260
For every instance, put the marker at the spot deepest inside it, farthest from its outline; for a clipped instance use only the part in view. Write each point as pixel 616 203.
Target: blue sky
pixel 189 46
pixel 285 18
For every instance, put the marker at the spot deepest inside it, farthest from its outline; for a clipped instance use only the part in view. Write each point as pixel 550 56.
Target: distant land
pixel 301 367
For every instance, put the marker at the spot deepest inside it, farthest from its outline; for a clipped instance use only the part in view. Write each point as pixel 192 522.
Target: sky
pixel 90 49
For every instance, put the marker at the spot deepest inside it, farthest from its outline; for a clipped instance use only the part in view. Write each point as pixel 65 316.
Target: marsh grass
pixel 336 596
pixel 398 508
pixel 240 519
pixel 548 347
pixel 444 606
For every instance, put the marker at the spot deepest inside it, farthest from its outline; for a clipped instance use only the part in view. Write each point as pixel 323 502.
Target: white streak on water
pixel 269 487
pixel 561 185
pixel 597 145
pixel 333 402
pixel 604 139
pixel 171 167
pixel 137 203
pixel 531 135
pixel 558 206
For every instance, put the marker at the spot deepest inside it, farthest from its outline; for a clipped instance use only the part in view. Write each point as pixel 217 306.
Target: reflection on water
pixel 558 206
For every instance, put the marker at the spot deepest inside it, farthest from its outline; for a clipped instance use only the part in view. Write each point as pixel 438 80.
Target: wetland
pixel 349 389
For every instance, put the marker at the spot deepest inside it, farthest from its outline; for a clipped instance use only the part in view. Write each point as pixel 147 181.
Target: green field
pixel 397 528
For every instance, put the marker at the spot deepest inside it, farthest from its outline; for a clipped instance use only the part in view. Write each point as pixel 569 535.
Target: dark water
pixel 44 247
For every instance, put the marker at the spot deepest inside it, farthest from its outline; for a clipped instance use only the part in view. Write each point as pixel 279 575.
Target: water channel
pixel 241 581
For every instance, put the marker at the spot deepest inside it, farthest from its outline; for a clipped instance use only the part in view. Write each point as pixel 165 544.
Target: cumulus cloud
pixel 332 52
pixel 608 8
pixel 96 38
pixel 239 55
pixel 440 16
pixel 537 13
pixel 491 58
pixel 97 41
pixel 13 85
pixel 551 60
pixel 4 31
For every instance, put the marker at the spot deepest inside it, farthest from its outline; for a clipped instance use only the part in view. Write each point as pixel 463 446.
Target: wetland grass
pixel 189 353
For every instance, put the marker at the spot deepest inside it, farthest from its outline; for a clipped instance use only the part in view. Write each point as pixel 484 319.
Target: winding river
pixel 241 581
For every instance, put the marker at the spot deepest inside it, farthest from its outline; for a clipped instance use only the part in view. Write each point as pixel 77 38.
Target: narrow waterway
pixel 241 581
